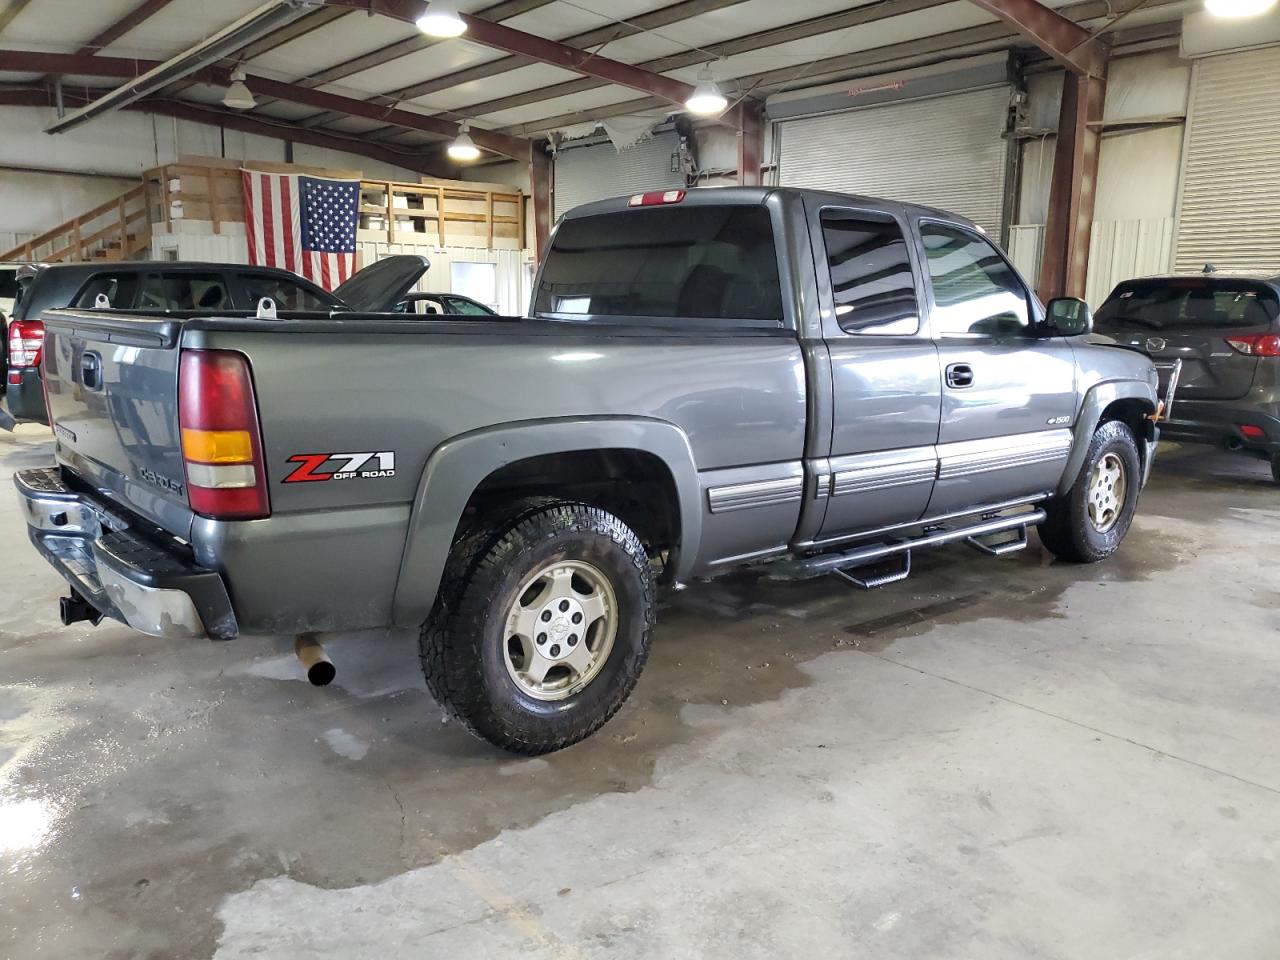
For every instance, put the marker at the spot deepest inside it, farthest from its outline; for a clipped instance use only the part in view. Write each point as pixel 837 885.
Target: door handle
pixel 91 371
pixel 959 375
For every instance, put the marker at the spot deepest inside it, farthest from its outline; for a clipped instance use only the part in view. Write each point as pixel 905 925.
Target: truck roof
pixel 751 196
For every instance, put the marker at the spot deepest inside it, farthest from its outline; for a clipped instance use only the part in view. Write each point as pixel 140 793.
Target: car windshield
pixel 1193 302
pixel 699 265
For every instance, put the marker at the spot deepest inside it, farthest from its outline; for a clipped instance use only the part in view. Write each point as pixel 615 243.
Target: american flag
pixel 303 224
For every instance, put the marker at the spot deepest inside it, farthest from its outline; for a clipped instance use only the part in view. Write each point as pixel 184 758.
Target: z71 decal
pixel 314 467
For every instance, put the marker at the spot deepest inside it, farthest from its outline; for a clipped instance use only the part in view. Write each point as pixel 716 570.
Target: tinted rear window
pixel 1188 304
pixel 712 265
pixel 8 284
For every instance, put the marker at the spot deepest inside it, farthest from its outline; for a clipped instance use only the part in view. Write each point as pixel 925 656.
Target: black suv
pixel 167 287
pixel 1226 332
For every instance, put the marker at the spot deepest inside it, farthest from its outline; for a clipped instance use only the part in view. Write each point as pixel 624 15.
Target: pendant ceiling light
pixel 239 96
pixel 463 147
pixel 707 98
pixel 441 20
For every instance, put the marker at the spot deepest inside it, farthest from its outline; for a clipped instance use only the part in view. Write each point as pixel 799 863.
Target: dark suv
pixel 1226 332
pixel 181 288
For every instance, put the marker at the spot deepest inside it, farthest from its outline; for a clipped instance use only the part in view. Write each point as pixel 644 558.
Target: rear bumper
pixel 26 399
pixel 1220 422
pixel 145 579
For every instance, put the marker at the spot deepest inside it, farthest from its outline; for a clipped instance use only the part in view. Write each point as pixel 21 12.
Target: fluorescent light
pixel 463 147
pixel 707 98
pixel 239 96
pixel 441 20
pixel 1238 9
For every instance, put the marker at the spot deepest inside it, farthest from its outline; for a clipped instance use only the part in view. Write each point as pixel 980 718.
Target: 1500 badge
pixel 315 467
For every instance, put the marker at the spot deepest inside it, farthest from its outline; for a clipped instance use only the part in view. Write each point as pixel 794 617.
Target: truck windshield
pixel 1180 303
pixel 700 265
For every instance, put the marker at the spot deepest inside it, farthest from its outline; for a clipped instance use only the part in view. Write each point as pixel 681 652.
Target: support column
pixel 750 143
pixel 540 184
pixel 1064 264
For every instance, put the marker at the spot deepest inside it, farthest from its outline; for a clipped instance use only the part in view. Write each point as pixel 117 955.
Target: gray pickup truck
pixel 817 382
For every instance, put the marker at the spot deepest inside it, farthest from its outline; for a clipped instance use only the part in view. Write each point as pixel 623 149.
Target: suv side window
pixel 287 294
pixel 183 291
pixel 118 288
pixel 871 279
pixel 975 291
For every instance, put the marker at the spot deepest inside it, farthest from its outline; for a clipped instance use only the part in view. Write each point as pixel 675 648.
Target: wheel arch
pixel 1130 401
pixel 545 456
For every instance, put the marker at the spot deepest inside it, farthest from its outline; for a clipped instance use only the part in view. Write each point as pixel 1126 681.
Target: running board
pixel 840 563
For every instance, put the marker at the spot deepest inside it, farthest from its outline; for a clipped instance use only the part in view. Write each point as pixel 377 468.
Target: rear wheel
pixel 1090 520
pixel 542 625
pixel 1275 467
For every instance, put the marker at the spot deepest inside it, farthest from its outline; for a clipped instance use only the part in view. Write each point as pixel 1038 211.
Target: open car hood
pixel 380 286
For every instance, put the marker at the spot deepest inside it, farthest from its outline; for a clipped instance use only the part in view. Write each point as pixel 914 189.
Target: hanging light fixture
pixel 1238 9
pixel 441 19
pixel 707 98
pixel 463 147
pixel 239 96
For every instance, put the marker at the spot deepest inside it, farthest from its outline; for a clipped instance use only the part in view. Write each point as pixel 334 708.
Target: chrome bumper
pixel 145 579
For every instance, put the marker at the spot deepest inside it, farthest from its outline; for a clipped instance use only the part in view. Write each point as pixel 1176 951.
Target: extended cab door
pixel 1008 394
pixel 886 383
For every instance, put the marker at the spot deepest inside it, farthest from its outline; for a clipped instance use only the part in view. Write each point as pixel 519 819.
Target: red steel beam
pixel 117 67
pixel 1067 42
pixel 508 39
pixel 277 130
pixel 1064 264
pixel 142 12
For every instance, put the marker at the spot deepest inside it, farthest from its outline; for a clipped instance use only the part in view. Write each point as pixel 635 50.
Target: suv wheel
pixel 1088 522
pixel 542 625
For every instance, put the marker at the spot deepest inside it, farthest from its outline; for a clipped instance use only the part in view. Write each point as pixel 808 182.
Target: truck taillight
pixel 656 198
pixel 1256 344
pixel 221 442
pixel 26 338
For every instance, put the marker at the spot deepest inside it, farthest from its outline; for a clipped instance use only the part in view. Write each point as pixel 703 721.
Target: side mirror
pixel 1068 317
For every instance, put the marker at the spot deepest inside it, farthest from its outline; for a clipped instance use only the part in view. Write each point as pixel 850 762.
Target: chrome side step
pixel 799 568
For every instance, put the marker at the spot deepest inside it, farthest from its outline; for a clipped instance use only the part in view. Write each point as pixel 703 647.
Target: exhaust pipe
pixel 76 609
pixel 320 669
pixel 1234 443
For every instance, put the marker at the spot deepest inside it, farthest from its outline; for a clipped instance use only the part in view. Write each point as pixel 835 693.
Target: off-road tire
pixel 1067 531
pixel 462 645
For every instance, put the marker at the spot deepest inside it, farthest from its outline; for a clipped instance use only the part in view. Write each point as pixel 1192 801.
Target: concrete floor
pixel 1010 758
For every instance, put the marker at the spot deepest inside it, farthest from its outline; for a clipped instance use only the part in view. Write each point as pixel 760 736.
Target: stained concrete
pixel 1013 758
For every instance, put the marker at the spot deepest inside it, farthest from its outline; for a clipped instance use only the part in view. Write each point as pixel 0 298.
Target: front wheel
pixel 542 625
pixel 1087 523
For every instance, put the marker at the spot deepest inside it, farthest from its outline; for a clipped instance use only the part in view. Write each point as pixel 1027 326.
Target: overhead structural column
pixel 1064 262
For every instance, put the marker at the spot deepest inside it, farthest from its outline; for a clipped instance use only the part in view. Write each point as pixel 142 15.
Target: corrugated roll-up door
pixel 1229 208
pixel 944 151
pixel 591 173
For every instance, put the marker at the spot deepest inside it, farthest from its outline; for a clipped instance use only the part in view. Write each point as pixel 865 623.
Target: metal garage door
pixel 945 152
pixel 591 173
pixel 1229 208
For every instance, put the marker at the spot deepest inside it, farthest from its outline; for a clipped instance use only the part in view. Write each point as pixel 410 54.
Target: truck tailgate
pixel 112 384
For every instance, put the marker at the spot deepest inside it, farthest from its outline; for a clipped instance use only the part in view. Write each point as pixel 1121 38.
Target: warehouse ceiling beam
pixel 134 18
pixel 9 12
pixel 653 20
pixel 1070 44
pixel 120 68
pixel 499 36
pixel 211 49
pixel 277 130
pixel 397 50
